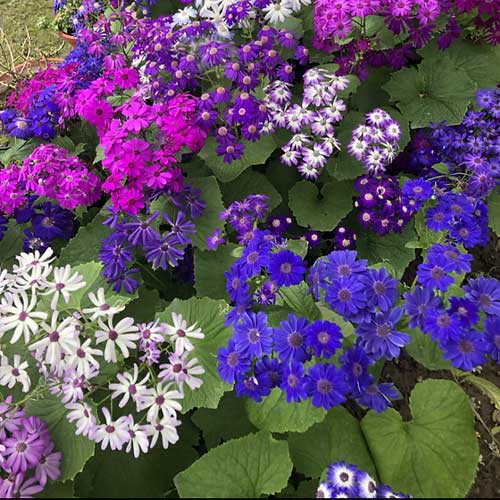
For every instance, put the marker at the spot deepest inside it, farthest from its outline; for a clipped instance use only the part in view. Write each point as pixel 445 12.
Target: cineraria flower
pixel 163 398
pixel 129 386
pixel 252 335
pixel 181 370
pixel 286 268
pixel 166 429
pixel 102 308
pixel 326 386
pixel 232 363
pixel 485 292
pixel 86 422
pixel 64 283
pixel 180 333
pixel 381 289
pixel 378 396
pixel 122 335
pixel 10 375
pixel 290 341
pixel 293 382
pixel 323 338
pixel 113 433
pixel 466 350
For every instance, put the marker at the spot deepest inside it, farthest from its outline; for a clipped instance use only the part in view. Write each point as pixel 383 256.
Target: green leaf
pixel 248 467
pixel 300 301
pixel 275 414
pixel 436 91
pixel 209 270
pixel 426 351
pixel 433 455
pixel 494 211
pixel 209 315
pixel 256 153
pixel 489 389
pixel 76 450
pixel 58 490
pixel 85 246
pixel 370 94
pixel 321 213
pixel 18 150
pixel 147 305
pixel 305 489
pixel 227 422
pixel 210 220
pixel 337 438
pixel 120 475
pixel 390 248
pixel 300 247
pixel 251 182
pixel 11 244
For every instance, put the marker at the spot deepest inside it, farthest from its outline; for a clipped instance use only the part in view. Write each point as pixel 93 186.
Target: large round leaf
pixel 433 455
pixel 248 467
pixel 209 315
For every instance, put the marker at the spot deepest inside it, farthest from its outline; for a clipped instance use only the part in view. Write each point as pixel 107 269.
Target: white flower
pixel 20 317
pixel 26 262
pixel 64 283
pixel 166 428
pixel 32 279
pixel 5 281
pixel 86 422
pixel 138 438
pixel 82 360
pixel 102 308
pixel 163 399
pixel 15 374
pixel 184 16
pixel 181 370
pixel 113 433
pixel 61 339
pixel 152 332
pixel 179 333
pixel 278 12
pixel 122 336
pixel 128 387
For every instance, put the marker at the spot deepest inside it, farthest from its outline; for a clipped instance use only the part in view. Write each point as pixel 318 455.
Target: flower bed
pixel 249 248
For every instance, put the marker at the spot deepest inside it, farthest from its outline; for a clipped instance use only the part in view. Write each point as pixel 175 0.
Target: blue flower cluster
pixel 348 481
pixel 162 236
pixel 467 323
pixel 47 222
pixel 259 357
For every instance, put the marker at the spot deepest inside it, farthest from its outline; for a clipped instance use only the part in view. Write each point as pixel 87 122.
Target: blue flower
pixel 379 336
pixel 252 335
pixel 237 287
pixel 378 396
pixel 249 386
pixel 485 292
pixel 269 372
pixel 286 268
pixel 344 477
pixel 165 251
pixel 381 289
pixel 237 312
pixel 457 262
pixel 465 310
pixel 290 343
pixel 324 338
pixel 326 386
pixel 294 382
pixel 441 324
pixel 344 263
pixel 254 258
pixel 355 364
pixel 231 363
pixel 53 223
pixel 467 350
pixel 418 301
pixel 435 275
pixel 492 327
pixel 346 295
pixel 317 277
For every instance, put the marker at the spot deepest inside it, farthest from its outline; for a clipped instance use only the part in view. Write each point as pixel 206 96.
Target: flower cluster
pixel 162 235
pixel 64 337
pixel 28 460
pixel 260 357
pixel 381 204
pixel 312 122
pixel 349 481
pixel 73 15
pixel 376 142
pixel 466 324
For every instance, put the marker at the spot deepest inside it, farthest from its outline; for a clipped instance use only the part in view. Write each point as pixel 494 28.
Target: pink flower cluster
pixel 139 141
pixel 49 171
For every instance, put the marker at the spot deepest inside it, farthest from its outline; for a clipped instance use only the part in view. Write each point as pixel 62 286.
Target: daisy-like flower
pixel 33 279
pixel 315 156
pixel 180 333
pixel 123 335
pixel 83 361
pixel 184 16
pixel 139 441
pixel 20 317
pixel 166 429
pixel 151 332
pixel 64 284
pixel 49 467
pixel 62 338
pixel 277 12
pixel 128 387
pixel 10 375
pixel 26 262
pixel 114 433
pixel 81 413
pixel 102 308
pixel 162 398
pixel 181 370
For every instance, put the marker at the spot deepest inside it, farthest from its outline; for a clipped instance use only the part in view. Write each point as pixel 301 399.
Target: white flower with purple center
pixel 139 441
pixel 114 433
pixel 163 398
pixel 180 369
pixel 101 307
pixel 86 422
pixel 63 285
pixel 10 375
pixel 122 336
pixel 83 360
pixel 129 387
pixel 180 334
pixel 166 429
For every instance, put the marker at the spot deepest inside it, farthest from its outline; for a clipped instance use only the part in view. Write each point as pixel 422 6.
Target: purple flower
pixel 141 231
pixel 347 296
pixel 465 310
pixel 417 302
pixel 268 372
pixel 457 262
pixel 290 341
pixel 231 363
pixel 378 396
pixel 355 367
pixel 485 292
pixel 252 335
pixel 249 386
pixel 323 338
pixel 165 251
pixel 286 268
pixel 379 336
pixel 381 289
pixel 23 451
pixel 294 382
pixel 441 324
pixel 345 263
pixel 492 327
pixel 326 386
pixel 434 275
pixel 466 350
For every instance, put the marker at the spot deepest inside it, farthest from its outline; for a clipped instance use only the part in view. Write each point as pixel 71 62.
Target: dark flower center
pixel 324 386
pixel 485 300
pixel 23 316
pixel 292 380
pixel 379 287
pixel 54 337
pixel 344 477
pixel 323 337
pixel 47 222
pixel 295 339
pixel 252 257
pixel 344 270
pixel 110 429
pixel 112 335
pixel 253 335
pixel 465 346
pixel 451 254
pixel 132 390
pixel 15 372
pixel 21 447
pixel 232 359
pixel 372 390
pixel 357 369
pixel 286 268
pixel 345 295
pixel 177 368
pixel 383 330
pixel 443 320
pixel 180 333
pixel 80 353
pixel 371 487
pixel 104 307
pixel 60 286
pixel 437 272
pixel 160 400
